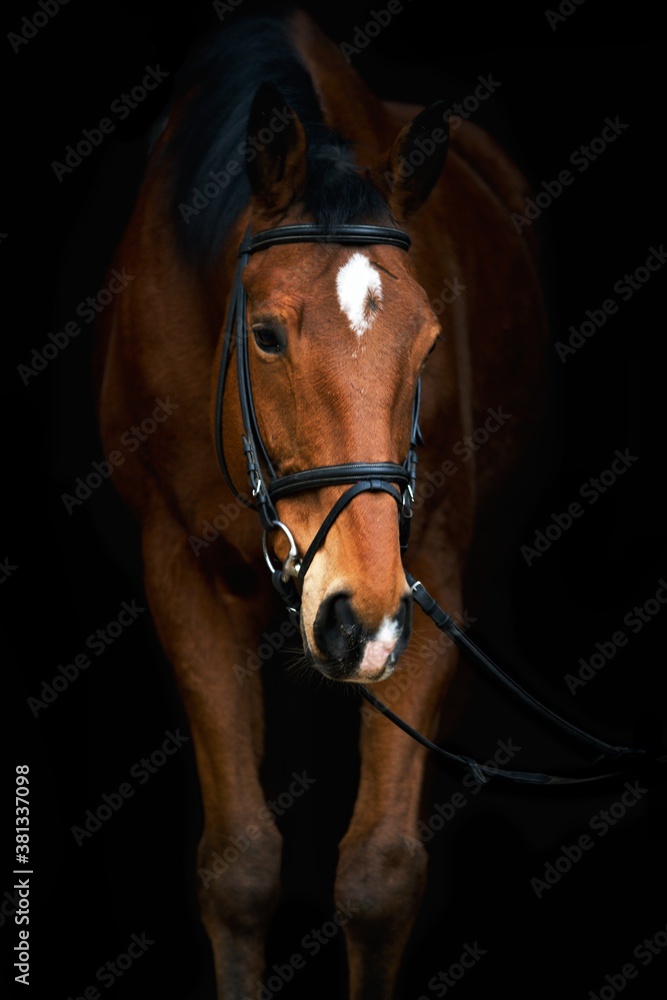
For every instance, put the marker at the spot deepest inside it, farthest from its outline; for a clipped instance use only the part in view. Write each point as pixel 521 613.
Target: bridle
pixel 359 477
pixel 267 488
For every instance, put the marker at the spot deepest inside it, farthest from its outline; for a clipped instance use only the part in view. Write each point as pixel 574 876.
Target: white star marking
pixel 359 289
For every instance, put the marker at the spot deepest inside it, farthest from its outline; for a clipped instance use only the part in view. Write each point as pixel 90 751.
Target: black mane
pixel 227 72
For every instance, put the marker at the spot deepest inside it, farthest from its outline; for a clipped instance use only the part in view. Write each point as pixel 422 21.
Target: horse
pixel 329 299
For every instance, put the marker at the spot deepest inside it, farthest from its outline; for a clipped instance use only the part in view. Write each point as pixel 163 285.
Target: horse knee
pixel 238 880
pixel 381 879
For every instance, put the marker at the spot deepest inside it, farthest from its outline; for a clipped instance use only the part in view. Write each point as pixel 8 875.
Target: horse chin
pixel 372 676
pixel 372 668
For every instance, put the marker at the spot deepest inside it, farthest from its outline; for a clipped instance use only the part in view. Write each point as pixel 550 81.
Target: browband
pixel 309 233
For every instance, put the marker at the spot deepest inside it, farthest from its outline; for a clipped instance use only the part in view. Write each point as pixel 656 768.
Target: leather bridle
pixel 359 477
pixel 267 488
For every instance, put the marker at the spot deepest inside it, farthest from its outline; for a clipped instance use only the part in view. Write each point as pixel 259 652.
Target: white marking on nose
pixel 359 289
pixel 378 650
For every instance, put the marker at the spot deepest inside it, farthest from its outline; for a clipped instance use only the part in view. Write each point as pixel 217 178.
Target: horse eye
pixel 268 339
pixel 429 353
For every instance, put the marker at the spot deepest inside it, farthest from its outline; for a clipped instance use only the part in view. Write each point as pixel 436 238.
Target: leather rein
pixel 396 480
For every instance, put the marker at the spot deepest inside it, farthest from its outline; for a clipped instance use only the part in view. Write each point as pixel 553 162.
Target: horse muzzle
pixel 347 647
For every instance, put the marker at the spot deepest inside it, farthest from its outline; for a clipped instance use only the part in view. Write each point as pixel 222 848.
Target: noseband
pixel 267 488
pixel 359 477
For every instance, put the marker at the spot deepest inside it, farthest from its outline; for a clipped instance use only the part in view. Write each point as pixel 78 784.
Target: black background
pixel 72 571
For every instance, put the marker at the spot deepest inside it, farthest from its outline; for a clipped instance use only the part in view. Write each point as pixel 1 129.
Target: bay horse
pixel 299 248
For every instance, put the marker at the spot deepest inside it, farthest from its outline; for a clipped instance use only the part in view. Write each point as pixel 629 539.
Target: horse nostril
pixel 345 645
pixel 337 630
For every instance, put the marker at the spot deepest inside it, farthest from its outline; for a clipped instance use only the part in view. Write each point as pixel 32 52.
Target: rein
pixel 396 480
pixel 482 772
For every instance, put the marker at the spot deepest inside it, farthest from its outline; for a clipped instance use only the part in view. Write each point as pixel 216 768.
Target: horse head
pixel 336 338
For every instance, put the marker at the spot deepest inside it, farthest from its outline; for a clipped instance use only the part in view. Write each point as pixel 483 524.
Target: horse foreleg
pixel 205 632
pixel 382 864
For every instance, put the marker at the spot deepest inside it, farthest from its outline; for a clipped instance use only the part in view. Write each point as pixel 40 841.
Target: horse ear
pixel 277 172
pixel 416 160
